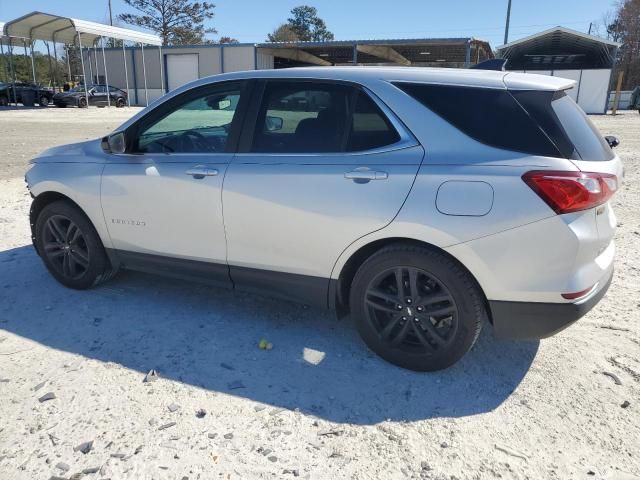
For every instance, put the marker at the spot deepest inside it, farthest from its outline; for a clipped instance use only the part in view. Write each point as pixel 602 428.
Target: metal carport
pixel 56 29
pixel 570 54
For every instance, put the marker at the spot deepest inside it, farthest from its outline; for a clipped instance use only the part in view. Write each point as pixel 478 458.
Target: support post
pixel 616 99
pixel 161 69
pixel 53 80
pixel 506 26
pixel 467 57
pixel 13 73
pixel 354 59
pixel 55 58
pixel 6 70
pixel 126 73
pixel 70 78
pixel 106 75
pixel 95 79
pixel 33 63
pixel 84 75
pixel 90 67
pixel 144 74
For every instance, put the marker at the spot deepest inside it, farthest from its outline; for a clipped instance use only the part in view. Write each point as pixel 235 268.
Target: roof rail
pixel 491 64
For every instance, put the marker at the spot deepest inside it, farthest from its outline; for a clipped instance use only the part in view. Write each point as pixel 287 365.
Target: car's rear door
pixel 322 164
pixel 162 202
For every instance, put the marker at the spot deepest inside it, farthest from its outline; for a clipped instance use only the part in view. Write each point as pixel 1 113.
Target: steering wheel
pixel 191 141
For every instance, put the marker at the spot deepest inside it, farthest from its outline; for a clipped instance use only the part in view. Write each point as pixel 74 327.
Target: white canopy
pixel 48 27
pixel 13 41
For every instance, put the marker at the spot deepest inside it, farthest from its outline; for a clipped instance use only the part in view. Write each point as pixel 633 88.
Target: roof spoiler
pixel 491 64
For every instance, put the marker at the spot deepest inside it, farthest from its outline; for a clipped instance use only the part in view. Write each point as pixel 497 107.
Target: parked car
pixel 384 197
pixel 76 97
pixel 37 94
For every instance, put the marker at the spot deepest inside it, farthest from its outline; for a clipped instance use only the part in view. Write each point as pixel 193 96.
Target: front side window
pixel 312 117
pixel 200 125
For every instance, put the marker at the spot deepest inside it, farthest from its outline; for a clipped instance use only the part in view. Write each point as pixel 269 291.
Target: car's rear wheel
pixel 120 102
pixel 416 307
pixel 4 101
pixel 43 101
pixel 70 246
pixel 82 102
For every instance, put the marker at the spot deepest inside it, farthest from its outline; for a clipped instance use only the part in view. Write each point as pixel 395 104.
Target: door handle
pixel 363 175
pixel 200 171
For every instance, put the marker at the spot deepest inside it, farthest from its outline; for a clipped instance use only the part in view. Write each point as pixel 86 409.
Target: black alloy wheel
pixel 411 310
pixel 65 247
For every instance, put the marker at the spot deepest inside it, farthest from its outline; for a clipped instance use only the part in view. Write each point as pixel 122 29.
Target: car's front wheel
pixel 82 102
pixel 70 246
pixel 4 101
pixel 43 101
pixel 416 307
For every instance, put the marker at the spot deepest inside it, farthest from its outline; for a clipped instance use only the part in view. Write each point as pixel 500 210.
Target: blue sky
pixel 251 20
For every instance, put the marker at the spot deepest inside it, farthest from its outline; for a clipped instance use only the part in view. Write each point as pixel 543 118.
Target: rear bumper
pixel 533 320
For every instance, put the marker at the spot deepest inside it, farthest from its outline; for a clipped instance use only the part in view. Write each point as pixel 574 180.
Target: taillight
pixel 567 192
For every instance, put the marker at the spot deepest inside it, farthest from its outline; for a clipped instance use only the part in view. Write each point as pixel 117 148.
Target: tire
pixel 4 101
pixel 120 102
pixel 70 246
pixel 82 102
pixel 435 320
pixel 43 101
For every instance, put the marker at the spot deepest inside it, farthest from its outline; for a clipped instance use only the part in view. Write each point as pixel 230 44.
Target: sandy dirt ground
pixel 318 405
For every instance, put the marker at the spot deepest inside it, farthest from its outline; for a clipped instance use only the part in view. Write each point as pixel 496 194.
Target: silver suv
pixel 424 202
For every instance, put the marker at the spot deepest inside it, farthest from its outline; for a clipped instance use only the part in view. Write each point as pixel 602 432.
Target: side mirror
pixel 612 141
pixel 114 143
pixel 273 124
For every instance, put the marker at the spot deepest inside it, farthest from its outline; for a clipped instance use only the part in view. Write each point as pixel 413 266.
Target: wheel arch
pixel 46 198
pixel 339 294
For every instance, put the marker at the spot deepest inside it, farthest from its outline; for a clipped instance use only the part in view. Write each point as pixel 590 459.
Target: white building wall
pixel 239 58
pixel 591 90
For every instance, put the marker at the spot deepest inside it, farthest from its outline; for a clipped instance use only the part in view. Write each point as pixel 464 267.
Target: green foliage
pixel 22 66
pixel 625 28
pixel 303 25
pixel 178 22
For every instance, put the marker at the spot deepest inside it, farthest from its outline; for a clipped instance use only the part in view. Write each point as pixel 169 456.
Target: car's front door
pixel 98 96
pixel 327 163
pixel 162 201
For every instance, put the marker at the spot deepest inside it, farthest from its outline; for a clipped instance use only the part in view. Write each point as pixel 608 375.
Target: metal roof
pixel 558 48
pixel 13 41
pixel 48 27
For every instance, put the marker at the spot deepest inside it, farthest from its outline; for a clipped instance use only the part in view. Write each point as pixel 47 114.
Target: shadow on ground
pixel 208 338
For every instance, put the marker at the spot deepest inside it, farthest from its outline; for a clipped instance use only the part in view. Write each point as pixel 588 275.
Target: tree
pixel 623 25
pixel 228 40
pixel 307 25
pixel 303 25
pixel 284 33
pixel 178 22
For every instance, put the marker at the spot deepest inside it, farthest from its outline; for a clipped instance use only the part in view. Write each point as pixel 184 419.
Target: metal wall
pixel 591 90
pixel 212 60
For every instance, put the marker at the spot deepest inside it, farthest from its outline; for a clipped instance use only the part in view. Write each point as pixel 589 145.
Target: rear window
pixel 584 135
pixel 488 115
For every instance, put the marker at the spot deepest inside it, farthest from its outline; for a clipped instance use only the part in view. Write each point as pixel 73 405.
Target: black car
pixel 26 93
pixel 97 94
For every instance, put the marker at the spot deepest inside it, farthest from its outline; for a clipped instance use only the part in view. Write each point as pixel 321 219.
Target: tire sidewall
pixel 448 274
pixel 82 103
pixel 98 263
pixel 43 101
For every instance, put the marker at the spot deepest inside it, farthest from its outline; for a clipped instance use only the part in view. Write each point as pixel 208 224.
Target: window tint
pixel 201 125
pixel 490 116
pixel 370 128
pixel 583 133
pixel 301 117
pixel 99 89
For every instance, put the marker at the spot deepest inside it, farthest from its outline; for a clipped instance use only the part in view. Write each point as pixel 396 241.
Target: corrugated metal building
pixel 182 64
pixel 566 53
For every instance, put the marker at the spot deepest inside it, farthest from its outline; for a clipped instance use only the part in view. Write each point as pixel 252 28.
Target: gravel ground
pixel 318 405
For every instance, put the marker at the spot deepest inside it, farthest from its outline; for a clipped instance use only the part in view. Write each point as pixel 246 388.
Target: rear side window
pixel 490 116
pixel 584 135
pixel 370 128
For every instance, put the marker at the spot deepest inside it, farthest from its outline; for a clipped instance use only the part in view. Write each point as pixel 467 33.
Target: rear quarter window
pixel 489 115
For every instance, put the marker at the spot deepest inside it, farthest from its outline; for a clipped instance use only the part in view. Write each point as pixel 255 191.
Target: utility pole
pixel 590 25
pixel 506 27
pixel 110 15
